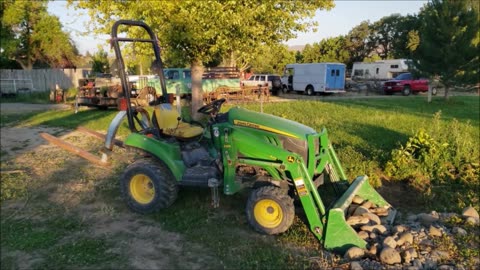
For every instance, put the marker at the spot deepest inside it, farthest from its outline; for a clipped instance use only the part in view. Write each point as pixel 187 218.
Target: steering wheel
pixel 213 107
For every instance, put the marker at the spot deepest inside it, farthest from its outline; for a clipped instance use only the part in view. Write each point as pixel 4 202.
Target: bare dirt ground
pixel 70 186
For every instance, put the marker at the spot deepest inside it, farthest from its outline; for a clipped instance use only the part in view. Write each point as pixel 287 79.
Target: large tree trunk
pixel 197 92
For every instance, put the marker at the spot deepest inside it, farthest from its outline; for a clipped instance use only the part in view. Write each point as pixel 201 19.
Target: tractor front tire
pixel 270 210
pixel 148 186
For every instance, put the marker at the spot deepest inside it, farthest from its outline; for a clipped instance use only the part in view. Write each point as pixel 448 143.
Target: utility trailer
pixel 313 78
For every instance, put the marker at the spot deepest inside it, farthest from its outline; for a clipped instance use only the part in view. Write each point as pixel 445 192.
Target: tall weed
pixel 438 157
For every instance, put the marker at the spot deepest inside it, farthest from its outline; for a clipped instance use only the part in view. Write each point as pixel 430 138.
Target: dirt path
pixel 69 187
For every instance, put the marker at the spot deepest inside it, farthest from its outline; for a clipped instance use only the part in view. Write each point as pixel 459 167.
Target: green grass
pixel 364 133
pixel 34 97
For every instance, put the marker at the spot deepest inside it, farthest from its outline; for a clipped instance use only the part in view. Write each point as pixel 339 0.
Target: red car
pixel 406 84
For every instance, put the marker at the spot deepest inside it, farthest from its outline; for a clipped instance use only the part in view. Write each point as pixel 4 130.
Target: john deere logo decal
pixel 290 159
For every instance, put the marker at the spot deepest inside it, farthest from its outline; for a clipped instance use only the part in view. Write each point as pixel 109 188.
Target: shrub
pixel 438 158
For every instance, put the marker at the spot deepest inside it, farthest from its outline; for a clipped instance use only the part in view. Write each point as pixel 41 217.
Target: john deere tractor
pixel 280 160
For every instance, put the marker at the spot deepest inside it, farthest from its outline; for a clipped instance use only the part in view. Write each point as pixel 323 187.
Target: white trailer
pixel 314 78
pixel 379 70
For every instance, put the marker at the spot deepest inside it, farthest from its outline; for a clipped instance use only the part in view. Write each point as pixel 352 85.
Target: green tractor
pixel 280 160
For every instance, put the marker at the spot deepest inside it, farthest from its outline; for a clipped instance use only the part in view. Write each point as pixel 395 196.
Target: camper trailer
pixel 314 78
pixel 380 70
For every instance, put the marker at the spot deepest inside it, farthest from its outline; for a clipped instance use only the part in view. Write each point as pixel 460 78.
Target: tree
pixel 327 50
pixel 449 43
pixel 197 31
pixel 272 59
pixel 357 43
pixel 383 34
pixel 100 63
pixel 407 32
pixel 36 35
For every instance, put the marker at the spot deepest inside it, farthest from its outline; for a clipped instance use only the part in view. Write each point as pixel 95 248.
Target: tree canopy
pixel 30 35
pixel 449 43
pixel 200 31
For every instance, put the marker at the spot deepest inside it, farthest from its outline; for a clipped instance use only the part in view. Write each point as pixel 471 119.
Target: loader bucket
pixel 339 235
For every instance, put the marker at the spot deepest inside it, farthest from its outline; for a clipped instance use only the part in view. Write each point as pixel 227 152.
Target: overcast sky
pixel 337 21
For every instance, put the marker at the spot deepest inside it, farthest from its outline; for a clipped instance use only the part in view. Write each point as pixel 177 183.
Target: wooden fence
pixel 44 79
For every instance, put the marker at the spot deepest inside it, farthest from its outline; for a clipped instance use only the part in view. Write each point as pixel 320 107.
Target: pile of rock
pixel 402 246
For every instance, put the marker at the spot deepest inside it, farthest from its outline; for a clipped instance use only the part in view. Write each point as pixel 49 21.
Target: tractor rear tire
pixel 270 210
pixel 147 186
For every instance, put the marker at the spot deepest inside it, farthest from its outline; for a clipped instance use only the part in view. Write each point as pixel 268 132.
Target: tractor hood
pixel 267 122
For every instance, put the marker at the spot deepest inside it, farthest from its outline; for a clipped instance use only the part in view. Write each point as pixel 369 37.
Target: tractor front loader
pixel 279 160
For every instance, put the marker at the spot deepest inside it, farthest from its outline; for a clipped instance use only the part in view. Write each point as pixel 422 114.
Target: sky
pixel 337 21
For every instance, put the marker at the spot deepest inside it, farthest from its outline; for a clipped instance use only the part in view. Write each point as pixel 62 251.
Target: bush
pixel 438 158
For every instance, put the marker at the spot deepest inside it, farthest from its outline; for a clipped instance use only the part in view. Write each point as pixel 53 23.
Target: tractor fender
pixel 166 152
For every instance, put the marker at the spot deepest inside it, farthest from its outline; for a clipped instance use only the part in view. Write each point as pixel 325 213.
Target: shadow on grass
pixel 380 140
pixel 464 109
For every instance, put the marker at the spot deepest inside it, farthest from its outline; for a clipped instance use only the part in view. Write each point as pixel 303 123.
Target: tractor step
pixel 198 176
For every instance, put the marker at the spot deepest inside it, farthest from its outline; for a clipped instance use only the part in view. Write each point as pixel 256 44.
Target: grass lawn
pixel 64 233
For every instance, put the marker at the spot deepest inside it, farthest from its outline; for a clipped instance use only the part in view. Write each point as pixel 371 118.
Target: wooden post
pixel 75 150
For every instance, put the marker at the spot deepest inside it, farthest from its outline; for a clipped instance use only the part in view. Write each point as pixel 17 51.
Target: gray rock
pixel 399 228
pixel 429 264
pixel 445 267
pixel 406 256
pixel 380 211
pixel 390 256
pixel 373 250
pixel 375 228
pixel 360 211
pixel 471 221
pixel 352 209
pixel 413 268
pixel 354 253
pixel 363 234
pixel 389 242
pixel 470 212
pixel 357 220
pixel 355 266
pixel 405 237
pixel 367 228
pixel 379 229
pixel 426 245
pixel 417 263
pixel 357 200
pixel 427 219
pixel 368 205
pixel 439 255
pixel 409 254
pixel 374 219
pixel 434 231
pixel 411 218
pixel 459 231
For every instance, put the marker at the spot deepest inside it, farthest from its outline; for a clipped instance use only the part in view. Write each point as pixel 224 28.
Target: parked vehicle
pixel 314 78
pixel 274 82
pixel 407 84
pixel 181 78
pixel 379 70
pixel 101 92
